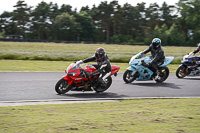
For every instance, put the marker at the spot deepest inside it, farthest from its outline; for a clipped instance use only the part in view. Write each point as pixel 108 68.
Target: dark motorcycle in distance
pixel 76 79
pixel 190 66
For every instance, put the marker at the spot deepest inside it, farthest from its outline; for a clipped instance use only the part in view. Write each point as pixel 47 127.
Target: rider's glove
pixel 138 55
pixel 80 62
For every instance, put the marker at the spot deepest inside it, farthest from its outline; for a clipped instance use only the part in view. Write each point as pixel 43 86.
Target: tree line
pixel 107 22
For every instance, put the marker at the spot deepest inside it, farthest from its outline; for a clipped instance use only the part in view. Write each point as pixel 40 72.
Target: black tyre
pixel 182 71
pixel 108 84
pixel 62 86
pixel 164 73
pixel 127 77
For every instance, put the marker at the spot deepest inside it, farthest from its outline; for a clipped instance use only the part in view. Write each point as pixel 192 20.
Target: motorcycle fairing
pixel 137 61
pixel 188 64
pixel 144 72
pixel 114 69
pixel 68 79
pixel 194 73
pixel 190 61
pixel 148 59
pixel 89 68
pixel 196 58
pixel 133 69
pixel 167 61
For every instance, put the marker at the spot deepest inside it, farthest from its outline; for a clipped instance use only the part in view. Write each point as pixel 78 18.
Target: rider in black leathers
pixel 157 54
pixel 198 49
pixel 103 65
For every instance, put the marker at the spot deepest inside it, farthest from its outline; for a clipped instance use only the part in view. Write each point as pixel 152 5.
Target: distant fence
pixel 55 41
pixel 83 42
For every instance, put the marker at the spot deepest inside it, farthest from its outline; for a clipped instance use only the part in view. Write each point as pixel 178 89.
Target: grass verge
pixel 27 65
pixel 71 52
pixel 130 116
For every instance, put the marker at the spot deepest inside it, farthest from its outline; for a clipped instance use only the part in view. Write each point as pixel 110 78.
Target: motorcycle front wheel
pixel 62 86
pixel 182 71
pixel 163 75
pixel 127 77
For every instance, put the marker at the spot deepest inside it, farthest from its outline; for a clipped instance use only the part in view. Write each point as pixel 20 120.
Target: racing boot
pixel 157 75
pixel 153 75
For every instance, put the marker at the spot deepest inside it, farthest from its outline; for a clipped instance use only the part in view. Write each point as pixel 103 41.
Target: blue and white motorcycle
pixel 138 72
pixel 190 66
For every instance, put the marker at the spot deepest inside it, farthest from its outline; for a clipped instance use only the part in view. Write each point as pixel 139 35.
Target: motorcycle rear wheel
pixel 62 86
pixel 127 77
pixel 182 71
pixel 108 84
pixel 164 73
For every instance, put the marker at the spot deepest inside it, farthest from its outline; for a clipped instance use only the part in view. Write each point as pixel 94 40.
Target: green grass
pixel 130 116
pixel 30 65
pixel 68 52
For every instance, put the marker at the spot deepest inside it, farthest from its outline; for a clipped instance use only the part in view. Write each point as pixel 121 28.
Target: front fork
pixel 134 70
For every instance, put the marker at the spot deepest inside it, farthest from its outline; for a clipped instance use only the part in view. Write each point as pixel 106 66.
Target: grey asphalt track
pixel 39 86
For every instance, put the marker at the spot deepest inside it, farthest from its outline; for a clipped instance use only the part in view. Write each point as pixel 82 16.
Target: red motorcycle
pixel 76 79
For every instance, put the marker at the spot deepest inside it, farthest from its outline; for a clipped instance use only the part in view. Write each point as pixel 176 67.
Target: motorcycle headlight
pixel 71 74
pixel 184 60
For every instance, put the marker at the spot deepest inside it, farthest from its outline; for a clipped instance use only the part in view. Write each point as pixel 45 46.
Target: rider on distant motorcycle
pixel 194 52
pixel 158 56
pixel 103 65
pixel 198 49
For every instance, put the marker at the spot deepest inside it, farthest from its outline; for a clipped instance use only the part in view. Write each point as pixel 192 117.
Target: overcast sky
pixel 7 5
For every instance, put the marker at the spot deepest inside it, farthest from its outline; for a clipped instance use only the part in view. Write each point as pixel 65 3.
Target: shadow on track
pixel 191 78
pixel 165 85
pixel 93 95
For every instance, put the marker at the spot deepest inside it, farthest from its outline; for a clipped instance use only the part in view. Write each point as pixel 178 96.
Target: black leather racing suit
pixel 196 51
pixel 103 66
pixel 157 55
